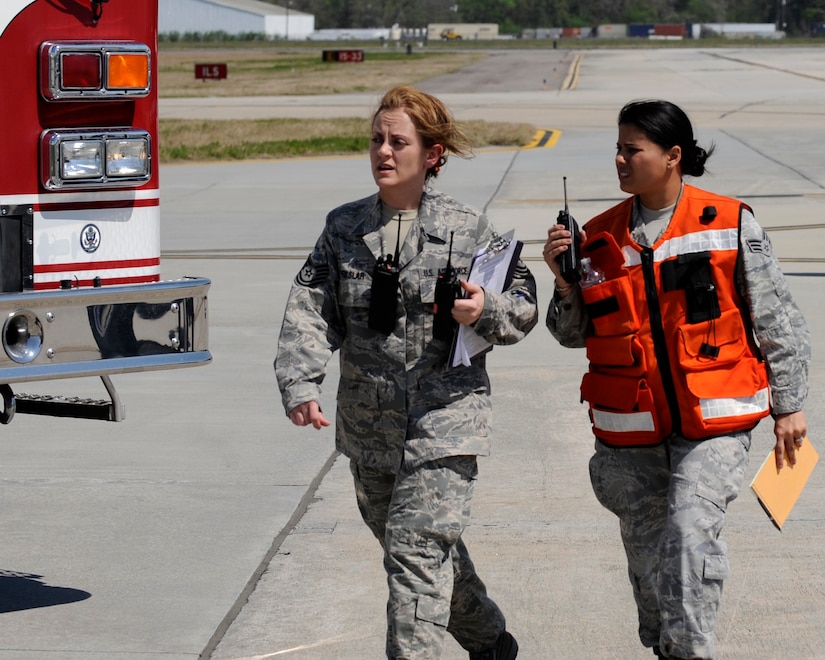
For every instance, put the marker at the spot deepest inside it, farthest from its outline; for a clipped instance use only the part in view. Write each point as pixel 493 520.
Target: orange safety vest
pixel 673 350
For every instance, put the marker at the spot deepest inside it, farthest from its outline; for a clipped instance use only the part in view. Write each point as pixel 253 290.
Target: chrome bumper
pixel 100 331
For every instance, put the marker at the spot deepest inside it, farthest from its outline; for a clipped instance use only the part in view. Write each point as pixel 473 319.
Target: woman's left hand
pixel 789 429
pixel 467 311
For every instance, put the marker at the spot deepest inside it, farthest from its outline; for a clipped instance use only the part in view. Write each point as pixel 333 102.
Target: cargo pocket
pixel 717 567
pixel 607 480
pixel 622 409
pixel 433 610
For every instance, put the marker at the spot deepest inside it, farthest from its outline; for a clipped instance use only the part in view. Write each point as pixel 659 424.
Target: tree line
pixel 796 17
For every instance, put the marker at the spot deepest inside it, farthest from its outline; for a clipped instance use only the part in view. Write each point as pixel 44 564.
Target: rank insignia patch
pixel 311 274
pixel 761 247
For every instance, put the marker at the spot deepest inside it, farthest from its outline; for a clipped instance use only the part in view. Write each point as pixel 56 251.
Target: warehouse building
pixel 235 17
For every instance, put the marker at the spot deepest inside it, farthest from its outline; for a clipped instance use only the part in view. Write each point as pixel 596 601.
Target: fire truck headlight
pixel 81 159
pixel 95 158
pixel 127 158
pixel 22 336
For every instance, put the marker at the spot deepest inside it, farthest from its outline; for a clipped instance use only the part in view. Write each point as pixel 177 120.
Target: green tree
pixel 487 11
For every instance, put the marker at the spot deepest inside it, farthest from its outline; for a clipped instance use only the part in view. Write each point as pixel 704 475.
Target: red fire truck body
pixel 80 273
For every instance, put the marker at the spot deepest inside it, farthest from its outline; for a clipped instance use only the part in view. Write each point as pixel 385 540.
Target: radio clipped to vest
pixel 570 259
pixel 447 289
pixel 384 290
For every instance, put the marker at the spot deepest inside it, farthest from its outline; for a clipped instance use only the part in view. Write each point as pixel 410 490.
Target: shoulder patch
pixel 761 246
pixel 521 271
pixel 311 274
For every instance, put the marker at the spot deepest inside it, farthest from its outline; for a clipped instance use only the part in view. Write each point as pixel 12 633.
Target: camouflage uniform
pixel 671 499
pixel 411 425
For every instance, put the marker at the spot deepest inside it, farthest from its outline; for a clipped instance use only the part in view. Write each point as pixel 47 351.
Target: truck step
pixel 62 406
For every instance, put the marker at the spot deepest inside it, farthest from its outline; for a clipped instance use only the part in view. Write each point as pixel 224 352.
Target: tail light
pixel 94 70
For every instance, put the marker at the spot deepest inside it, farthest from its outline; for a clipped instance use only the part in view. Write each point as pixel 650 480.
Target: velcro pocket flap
pixel 721 341
pixel 611 392
pixel 621 352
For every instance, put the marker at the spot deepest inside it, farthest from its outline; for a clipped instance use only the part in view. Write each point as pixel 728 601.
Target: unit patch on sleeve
pixel 311 274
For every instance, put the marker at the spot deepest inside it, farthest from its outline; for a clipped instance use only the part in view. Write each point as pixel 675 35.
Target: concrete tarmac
pixel 205 525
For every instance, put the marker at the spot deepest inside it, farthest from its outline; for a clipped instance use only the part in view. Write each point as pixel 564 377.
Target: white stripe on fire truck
pixel 81 197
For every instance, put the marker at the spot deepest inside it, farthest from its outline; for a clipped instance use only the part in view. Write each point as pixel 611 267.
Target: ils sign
pixel 210 71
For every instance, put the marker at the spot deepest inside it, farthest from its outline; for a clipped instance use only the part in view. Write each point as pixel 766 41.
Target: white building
pixel 234 17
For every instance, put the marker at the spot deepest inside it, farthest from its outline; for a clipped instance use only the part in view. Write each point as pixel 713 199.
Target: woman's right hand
pixel 559 239
pixel 308 413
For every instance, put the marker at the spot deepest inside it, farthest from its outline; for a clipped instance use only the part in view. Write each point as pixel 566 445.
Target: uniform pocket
pixel 607 480
pixel 717 567
pixel 358 413
pixel 453 404
pixel 433 610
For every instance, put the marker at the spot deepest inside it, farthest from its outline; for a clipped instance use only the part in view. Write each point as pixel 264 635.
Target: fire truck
pixel 81 293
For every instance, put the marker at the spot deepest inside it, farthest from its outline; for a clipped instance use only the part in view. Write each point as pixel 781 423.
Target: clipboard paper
pixel 492 269
pixel 778 491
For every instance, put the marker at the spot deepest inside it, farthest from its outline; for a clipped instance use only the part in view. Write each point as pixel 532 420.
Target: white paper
pixel 489 271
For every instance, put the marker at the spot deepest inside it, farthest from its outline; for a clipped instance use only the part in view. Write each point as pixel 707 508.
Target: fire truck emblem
pixel 90 238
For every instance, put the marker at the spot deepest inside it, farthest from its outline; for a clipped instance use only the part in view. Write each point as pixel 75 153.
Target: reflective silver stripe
pixel 623 422
pixel 735 407
pixel 700 241
pixel 712 240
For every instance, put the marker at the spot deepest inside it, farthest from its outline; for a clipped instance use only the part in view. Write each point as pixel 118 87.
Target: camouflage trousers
pixel 418 516
pixel 671 501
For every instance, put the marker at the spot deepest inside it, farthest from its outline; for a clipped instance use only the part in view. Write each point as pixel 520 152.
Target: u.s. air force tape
pixel 311 274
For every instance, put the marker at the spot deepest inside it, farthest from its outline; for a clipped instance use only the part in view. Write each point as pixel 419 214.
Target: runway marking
pixel 544 139
pixel 572 78
pixel 767 66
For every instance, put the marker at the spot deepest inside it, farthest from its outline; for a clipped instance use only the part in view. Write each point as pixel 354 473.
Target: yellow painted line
pixel 572 78
pixel 544 139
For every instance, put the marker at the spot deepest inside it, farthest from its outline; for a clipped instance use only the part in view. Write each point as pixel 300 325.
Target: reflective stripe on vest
pixel 623 422
pixel 715 240
pixel 735 407
pixel 711 409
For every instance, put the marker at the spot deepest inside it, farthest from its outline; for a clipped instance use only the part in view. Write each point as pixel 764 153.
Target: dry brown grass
pixel 263 71
pixel 272 73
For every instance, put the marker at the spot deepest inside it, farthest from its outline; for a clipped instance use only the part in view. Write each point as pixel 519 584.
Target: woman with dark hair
pixel 692 338
pixel 411 425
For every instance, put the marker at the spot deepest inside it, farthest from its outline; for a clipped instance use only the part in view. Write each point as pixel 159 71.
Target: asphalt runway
pixel 205 525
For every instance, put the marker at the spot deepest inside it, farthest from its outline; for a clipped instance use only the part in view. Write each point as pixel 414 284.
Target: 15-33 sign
pixel 343 56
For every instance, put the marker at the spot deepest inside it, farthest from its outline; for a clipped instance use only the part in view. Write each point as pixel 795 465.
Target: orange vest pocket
pixel 610 307
pixel 622 409
pixel 733 397
pixel 712 343
pixel 623 354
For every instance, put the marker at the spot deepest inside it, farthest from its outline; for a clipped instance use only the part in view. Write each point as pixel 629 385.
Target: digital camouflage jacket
pixel 397 397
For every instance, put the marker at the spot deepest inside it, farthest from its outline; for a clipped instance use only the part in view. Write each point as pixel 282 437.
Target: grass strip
pixel 184 140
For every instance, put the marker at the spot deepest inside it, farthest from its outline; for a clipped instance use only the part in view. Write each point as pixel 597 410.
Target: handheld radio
pixel 447 289
pixel 570 259
pixel 384 290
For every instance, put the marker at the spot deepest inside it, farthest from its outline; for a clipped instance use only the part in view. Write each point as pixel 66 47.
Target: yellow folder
pixel 778 490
